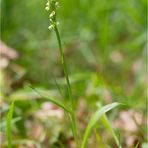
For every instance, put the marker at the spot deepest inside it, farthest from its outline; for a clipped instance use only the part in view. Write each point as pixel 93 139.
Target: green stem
pixel 64 66
pixel 74 129
pixel 72 115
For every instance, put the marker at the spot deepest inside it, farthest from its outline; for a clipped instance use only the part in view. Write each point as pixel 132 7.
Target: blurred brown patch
pixel 6 54
pixel 128 120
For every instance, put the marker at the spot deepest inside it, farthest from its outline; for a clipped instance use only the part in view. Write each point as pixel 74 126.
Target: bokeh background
pixel 105 47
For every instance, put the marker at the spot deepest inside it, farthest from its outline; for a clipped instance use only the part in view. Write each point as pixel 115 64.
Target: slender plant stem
pixel 72 115
pixel 64 65
pixel 74 129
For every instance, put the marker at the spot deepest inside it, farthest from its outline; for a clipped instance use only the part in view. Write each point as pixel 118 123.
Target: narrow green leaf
pixel 94 120
pixel 108 125
pixel 28 94
pixel 137 145
pixel 54 101
pixel 9 129
pixel 3 123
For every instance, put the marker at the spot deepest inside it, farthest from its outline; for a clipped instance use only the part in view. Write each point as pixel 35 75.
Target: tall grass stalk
pixel 8 127
pixel 72 115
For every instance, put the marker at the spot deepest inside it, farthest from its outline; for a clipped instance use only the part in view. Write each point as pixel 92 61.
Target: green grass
pixel 73 64
pixel 9 128
pixel 53 100
pixel 94 119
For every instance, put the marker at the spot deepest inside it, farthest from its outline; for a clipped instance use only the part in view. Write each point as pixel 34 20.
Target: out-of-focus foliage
pixel 105 49
pixel 91 31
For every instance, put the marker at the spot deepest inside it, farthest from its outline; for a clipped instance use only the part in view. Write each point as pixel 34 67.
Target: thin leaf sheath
pixel 64 65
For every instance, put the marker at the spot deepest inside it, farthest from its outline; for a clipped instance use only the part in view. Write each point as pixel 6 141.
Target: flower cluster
pixel 51 7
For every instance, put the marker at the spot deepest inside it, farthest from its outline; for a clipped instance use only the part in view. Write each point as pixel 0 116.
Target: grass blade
pixel 54 101
pixel 137 145
pixel 14 120
pixel 108 125
pixel 98 114
pixel 9 129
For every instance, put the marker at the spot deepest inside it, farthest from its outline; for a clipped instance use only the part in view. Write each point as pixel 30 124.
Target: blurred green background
pixel 105 48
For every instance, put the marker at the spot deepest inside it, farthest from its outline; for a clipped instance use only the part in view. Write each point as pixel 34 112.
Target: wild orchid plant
pixel 51 7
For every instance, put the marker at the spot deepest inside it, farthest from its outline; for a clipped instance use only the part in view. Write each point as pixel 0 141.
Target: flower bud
pixel 51 27
pixel 47 8
pixel 52 14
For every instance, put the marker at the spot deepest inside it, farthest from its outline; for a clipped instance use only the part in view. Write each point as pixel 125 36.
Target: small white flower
pixel 50 20
pixel 51 27
pixel 47 8
pixel 47 4
pixel 52 14
pixel 51 7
